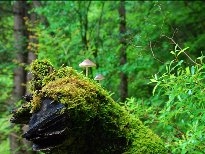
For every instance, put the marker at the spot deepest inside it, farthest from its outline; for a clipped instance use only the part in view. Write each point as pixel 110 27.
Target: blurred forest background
pixel 150 52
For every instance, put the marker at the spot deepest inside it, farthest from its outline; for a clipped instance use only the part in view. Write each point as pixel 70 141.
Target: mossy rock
pixel 83 118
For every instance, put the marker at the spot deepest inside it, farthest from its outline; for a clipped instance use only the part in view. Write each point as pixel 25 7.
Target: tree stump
pixel 70 113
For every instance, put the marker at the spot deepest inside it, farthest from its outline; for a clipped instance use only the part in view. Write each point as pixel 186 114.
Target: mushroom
pixel 99 77
pixel 87 63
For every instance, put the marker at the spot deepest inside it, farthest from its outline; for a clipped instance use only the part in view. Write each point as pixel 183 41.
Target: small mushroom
pixel 99 77
pixel 87 63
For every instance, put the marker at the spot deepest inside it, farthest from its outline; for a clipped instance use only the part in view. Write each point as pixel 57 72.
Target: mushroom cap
pixel 99 77
pixel 87 63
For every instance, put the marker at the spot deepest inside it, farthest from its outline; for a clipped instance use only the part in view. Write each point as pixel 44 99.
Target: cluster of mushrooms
pixel 88 63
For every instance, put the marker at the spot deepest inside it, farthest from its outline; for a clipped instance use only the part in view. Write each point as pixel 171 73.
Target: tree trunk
pixel 17 144
pixel 83 19
pixel 123 55
pixel 97 37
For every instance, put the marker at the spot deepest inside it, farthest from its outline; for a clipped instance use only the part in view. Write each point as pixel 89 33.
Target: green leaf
pixel 155 76
pixel 192 70
pixel 155 87
pixel 182 51
pixel 172 52
pixel 180 62
pixel 153 80
pixel 187 71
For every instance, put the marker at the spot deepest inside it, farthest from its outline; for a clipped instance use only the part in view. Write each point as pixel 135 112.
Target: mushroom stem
pixel 87 63
pixel 86 71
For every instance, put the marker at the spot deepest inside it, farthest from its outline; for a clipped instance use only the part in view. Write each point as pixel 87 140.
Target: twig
pixel 175 31
pixel 16 136
pixel 181 49
pixel 150 44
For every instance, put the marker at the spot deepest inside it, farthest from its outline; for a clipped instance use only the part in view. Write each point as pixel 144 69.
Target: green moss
pixel 39 69
pixel 96 122
pixel 22 114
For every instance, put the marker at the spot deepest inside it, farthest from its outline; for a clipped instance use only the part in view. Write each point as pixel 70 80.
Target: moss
pixel 97 124
pixel 144 140
pixel 39 69
pixel 22 114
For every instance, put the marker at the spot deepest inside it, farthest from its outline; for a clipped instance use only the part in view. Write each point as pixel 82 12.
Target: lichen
pixel 97 123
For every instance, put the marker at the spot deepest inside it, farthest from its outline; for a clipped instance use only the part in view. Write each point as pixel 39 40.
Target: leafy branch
pixel 173 41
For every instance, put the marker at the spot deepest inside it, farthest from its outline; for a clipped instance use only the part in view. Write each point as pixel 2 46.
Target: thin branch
pixel 170 38
pixel 150 44
pixel 16 136
pixel 175 31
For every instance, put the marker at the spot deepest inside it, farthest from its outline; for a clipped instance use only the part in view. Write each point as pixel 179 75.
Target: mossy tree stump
pixel 70 113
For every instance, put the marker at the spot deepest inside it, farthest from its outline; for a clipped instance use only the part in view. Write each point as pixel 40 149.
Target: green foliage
pixel 6 66
pixel 176 111
pixel 4 146
pixel 6 85
pixel 5 131
pixel 182 116
pixel 148 23
pixel 4 127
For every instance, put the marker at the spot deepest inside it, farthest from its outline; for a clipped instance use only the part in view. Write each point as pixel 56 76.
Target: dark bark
pixel 123 55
